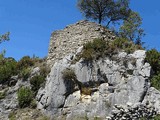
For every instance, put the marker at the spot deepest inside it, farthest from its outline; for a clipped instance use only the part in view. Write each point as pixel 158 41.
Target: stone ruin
pixel 69 39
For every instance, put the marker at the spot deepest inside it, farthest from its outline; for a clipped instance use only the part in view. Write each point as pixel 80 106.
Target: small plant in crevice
pixel 70 80
pixel 69 74
pixel 86 90
pixel 2 95
pixel 108 103
pixel 33 104
pixel 36 82
pixel 72 84
pixel 130 72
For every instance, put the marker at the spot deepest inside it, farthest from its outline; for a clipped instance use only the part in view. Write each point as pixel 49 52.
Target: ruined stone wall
pixel 72 37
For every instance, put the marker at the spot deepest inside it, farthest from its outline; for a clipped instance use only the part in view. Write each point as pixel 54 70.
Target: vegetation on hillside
pixel 24 97
pixel 153 58
pixel 100 48
pixel 9 67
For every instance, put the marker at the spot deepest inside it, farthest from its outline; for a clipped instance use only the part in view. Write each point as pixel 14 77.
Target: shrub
pixel 44 70
pixel 86 90
pixel 2 95
pixel 69 74
pixel 25 73
pixel 94 50
pixel 33 104
pixel 126 45
pixel 155 81
pixel 88 54
pixel 70 80
pixel 98 45
pixel 99 48
pixel 25 62
pixel 24 97
pixel 8 68
pixel 153 58
pixel 36 82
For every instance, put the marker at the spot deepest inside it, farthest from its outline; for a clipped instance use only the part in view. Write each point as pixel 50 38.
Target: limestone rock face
pixel 73 36
pixel 111 81
pixel 153 97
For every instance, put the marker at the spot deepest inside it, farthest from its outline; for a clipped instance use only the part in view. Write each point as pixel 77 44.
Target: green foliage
pixel 25 73
pixel 155 81
pixel 153 58
pixel 131 28
pixel 126 45
pixel 100 48
pixel 24 97
pixel 12 116
pixel 33 104
pixel 69 74
pixel 94 50
pixel 44 70
pixel 157 117
pixel 8 68
pixel 36 82
pixel 102 10
pixel 25 62
pixel 88 54
pixel 2 95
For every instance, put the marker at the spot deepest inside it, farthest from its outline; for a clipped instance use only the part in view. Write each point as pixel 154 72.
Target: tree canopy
pixel 104 10
pixel 131 28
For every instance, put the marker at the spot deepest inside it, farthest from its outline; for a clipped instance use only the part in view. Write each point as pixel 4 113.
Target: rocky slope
pixel 114 87
pixel 123 81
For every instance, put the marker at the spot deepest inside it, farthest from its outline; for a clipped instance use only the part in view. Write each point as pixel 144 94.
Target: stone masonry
pixel 73 36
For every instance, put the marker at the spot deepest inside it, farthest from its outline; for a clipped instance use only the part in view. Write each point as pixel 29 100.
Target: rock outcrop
pixel 100 85
pixel 112 87
pixel 119 81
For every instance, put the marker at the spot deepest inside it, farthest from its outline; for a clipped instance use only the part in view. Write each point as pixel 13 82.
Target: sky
pixel 31 23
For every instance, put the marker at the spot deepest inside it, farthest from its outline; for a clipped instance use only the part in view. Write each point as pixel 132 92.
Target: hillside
pixel 94 75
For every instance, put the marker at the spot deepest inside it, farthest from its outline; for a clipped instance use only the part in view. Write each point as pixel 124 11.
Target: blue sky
pixel 32 21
